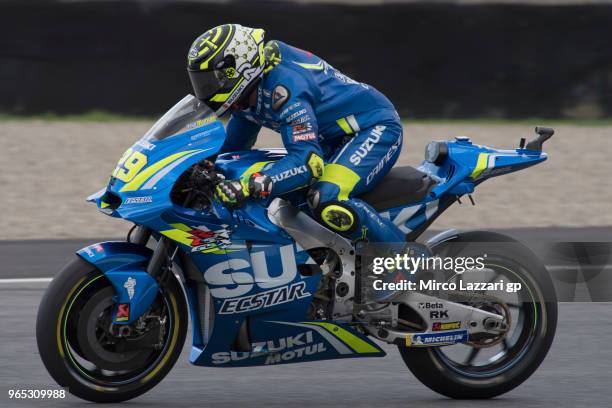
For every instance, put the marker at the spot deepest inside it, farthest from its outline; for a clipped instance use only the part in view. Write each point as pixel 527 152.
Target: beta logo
pixel 430 305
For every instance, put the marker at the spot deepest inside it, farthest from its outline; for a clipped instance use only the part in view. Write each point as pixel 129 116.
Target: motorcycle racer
pixel 341 136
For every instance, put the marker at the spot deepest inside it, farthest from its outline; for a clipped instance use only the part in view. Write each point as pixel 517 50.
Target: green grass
pixel 102 116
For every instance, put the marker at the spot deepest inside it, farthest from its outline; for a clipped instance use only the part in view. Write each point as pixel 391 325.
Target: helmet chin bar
pixel 244 101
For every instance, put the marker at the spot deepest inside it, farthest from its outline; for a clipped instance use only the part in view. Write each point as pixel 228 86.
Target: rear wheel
pixel 488 366
pixel 95 359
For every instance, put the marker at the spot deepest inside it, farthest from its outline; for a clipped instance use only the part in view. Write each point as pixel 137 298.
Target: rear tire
pixel 435 370
pixel 79 289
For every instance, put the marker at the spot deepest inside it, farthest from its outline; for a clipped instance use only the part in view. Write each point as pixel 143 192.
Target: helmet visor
pixel 206 83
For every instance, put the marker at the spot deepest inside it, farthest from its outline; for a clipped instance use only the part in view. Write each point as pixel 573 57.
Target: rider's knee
pixel 337 215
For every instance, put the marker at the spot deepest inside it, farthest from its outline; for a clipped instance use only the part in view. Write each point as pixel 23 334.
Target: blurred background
pixel 453 59
pixel 80 80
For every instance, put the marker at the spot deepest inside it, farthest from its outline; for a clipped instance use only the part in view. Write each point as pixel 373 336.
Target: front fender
pixel 124 264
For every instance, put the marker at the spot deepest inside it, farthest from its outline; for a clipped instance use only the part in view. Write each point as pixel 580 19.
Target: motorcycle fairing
pixel 467 166
pixel 259 285
pixel 124 264
pixel 282 342
pixel 143 195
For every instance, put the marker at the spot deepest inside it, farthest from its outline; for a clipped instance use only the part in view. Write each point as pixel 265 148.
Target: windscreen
pixel 187 114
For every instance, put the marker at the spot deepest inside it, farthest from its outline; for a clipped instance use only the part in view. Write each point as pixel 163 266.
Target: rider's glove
pixel 234 192
pixel 260 185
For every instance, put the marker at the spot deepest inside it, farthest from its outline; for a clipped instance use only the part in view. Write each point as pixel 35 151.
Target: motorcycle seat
pixel 401 186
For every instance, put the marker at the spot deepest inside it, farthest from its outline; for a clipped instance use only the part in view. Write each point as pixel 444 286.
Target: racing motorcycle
pixel 266 284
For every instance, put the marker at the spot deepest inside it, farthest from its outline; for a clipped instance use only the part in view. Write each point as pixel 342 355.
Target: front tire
pixel 80 355
pixel 436 367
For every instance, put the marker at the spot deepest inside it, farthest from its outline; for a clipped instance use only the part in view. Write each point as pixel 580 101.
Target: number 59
pixel 129 165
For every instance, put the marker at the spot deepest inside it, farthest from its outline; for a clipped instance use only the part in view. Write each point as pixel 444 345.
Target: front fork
pixel 163 254
pixel 136 280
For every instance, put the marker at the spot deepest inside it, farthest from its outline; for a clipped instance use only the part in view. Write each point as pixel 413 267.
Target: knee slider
pixel 336 215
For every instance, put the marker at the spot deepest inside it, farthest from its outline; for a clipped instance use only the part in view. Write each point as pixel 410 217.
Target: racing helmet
pixel 225 63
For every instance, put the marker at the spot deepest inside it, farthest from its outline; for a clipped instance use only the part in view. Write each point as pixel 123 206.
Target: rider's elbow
pixel 315 165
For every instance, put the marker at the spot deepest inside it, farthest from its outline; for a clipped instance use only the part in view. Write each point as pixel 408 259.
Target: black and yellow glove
pixel 234 192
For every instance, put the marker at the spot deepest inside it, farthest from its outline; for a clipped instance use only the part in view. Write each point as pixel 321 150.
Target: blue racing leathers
pixel 341 136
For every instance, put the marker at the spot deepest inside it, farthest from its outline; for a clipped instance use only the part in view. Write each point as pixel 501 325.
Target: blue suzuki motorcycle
pixel 265 284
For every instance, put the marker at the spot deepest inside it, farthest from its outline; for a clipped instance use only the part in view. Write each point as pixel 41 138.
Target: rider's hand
pixel 234 192
pixel 260 185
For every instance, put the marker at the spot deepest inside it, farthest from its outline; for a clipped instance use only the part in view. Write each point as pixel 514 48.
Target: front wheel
pixel 487 367
pixel 95 359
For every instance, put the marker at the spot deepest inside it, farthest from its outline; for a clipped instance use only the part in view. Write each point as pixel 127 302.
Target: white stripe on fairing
pixel 331 339
pixel 153 180
pixel 278 150
pixel 353 123
pixel 26 280
pixel 405 214
pixel 491 161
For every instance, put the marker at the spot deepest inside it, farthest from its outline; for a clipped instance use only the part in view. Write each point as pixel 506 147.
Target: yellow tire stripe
pixel 61 316
pixel 358 345
pixel 345 178
pixel 76 364
pixel 139 180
